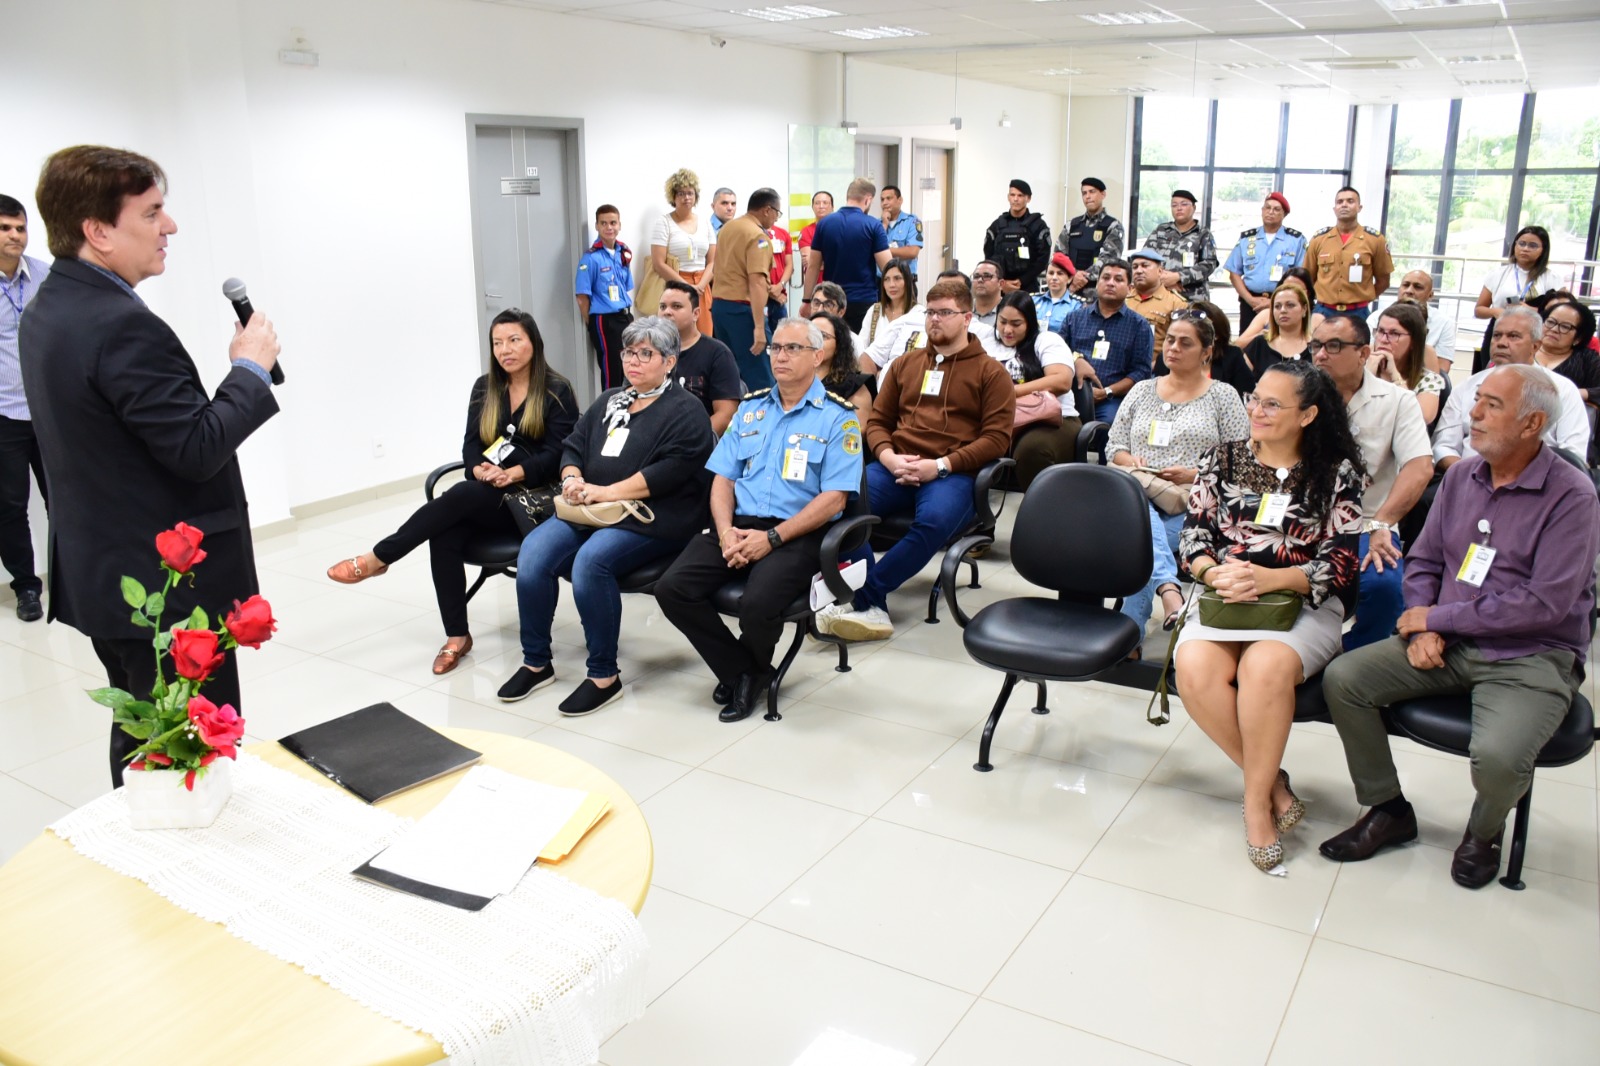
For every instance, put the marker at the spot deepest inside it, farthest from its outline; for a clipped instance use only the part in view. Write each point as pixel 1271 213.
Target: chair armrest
pixel 843 536
pixel 433 478
pixel 982 483
pixel 1092 438
pixel 950 565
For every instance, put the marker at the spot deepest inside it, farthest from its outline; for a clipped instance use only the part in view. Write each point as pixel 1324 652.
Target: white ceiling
pixel 1211 48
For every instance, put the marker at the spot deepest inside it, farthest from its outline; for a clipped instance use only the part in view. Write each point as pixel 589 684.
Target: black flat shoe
pixel 589 697
pixel 748 693
pixel 525 681
pixel 29 609
pixel 722 695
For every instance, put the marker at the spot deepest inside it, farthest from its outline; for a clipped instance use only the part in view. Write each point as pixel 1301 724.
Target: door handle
pixel 493 296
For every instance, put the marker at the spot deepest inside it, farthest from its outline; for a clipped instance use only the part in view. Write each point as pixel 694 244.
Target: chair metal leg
pixel 483 575
pixel 983 763
pixel 1041 707
pixel 772 714
pixel 844 659
pixel 933 606
pixel 973 565
pixel 1519 842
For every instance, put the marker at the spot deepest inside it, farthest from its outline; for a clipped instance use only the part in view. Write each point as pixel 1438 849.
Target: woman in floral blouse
pixel 1281 511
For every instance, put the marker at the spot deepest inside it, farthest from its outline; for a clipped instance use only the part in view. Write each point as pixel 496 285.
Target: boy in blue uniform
pixel 604 291
pixel 785 468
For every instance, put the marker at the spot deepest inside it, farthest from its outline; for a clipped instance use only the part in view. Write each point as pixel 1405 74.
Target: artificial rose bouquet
pixel 181 729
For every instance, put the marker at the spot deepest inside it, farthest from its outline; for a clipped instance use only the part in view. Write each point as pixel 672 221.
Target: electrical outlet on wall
pixel 377 447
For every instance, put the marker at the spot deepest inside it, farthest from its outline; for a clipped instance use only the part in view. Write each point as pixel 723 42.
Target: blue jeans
pixel 734 327
pixel 1164 530
pixel 594 559
pixel 943 508
pixel 1379 601
pixel 1106 410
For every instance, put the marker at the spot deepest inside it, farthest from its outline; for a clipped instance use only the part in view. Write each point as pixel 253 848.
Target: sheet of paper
pixel 484 835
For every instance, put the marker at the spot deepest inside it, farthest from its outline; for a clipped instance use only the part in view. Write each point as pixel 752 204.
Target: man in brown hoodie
pixel 942 412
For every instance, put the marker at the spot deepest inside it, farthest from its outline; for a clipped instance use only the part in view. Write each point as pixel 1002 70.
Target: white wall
pixel 340 193
pixel 1100 145
pixel 915 104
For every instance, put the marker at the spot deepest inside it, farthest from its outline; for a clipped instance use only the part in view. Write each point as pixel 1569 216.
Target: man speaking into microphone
pixel 131 443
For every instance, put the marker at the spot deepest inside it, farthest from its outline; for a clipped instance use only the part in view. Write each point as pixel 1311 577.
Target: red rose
pixel 220 727
pixel 194 653
pixel 180 548
pixel 251 622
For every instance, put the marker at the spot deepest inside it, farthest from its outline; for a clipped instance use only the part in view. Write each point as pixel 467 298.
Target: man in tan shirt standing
pixel 942 412
pixel 1152 300
pixel 739 280
pixel 1350 262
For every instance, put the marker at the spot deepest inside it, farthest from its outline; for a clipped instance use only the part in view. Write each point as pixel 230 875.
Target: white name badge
pixel 614 442
pixel 932 382
pixel 1276 273
pixel 1022 250
pixel 1355 269
pixel 1274 505
pixel 612 293
pixel 1475 566
pixel 1102 349
pixel 794 464
pixel 497 451
pixel 1160 433
pixel 1188 259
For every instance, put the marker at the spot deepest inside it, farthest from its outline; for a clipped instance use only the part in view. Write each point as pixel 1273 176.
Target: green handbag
pixel 1274 611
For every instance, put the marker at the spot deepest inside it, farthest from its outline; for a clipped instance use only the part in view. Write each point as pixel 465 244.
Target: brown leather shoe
pixel 1476 861
pixel 1375 831
pixel 448 657
pixel 350 572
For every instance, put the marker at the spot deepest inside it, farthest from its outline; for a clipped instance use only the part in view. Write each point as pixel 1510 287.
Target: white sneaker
pixel 825 617
pixel 870 624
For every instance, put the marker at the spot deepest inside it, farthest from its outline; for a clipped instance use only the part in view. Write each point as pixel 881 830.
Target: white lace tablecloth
pixel 537 978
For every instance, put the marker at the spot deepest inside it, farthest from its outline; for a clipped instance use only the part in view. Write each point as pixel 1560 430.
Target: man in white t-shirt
pixel 1516 338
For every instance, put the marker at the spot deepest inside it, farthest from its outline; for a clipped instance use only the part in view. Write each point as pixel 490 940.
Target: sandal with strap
pixel 449 658
pixel 349 571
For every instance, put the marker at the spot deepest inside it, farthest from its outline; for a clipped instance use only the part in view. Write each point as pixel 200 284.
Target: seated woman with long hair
pixel 1398 344
pixel 519 414
pixel 1038 362
pixel 647 442
pixel 1279 512
pixel 838 367
pixel 1258 325
pixel 897 295
pixel 1288 336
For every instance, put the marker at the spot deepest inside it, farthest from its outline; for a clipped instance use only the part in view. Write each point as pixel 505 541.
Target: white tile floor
pixel 841 889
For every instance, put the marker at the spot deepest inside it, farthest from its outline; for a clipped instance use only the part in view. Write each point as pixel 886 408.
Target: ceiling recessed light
pixel 1057 72
pixel 1131 18
pixel 788 13
pixel 1508 57
pixel 878 33
pixel 1367 63
pixel 1135 90
pixel 1429 5
pixel 1495 81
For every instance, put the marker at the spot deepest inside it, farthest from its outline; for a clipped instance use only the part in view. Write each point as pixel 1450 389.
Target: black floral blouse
pixel 1222 507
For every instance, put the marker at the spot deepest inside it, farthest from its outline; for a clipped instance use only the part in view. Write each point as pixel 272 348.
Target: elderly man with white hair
pixel 1492 611
pixel 1516 340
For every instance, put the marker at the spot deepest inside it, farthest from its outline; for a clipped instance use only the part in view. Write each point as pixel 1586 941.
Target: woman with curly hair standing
pixel 1280 512
pixel 682 246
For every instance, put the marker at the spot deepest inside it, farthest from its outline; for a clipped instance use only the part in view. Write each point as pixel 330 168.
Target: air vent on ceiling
pixel 1432 5
pixel 1504 57
pixel 1493 81
pixel 1242 66
pixel 1353 63
pixel 1057 72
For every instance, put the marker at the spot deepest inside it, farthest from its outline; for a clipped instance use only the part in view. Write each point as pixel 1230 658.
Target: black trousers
pixel 1247 315
pixel 855 314
pixel 684 594
pixel 605 334
pixel 19 453
pixel 131 666
pixel 446 522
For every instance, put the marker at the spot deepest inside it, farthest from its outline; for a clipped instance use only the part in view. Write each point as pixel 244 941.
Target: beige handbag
pixel 647 296
pixel 1169 497
pixel 601 515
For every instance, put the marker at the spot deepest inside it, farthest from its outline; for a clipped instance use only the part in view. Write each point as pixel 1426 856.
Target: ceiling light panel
pixel 1131 18
pixel 787 13
pixel 879 33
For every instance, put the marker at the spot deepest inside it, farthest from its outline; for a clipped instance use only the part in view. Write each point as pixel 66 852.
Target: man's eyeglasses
pixel 788 350
pixel 1271 408
pixel 638 355
pixel 944 312
pixel 986 276
pixel 1560 328
pixel 1333 347
pixel 823 303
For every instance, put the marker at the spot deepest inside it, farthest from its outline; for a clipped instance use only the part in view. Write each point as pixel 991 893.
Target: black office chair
pixel 495 552
pixel 1073 637
pixel 976 536
pixel 844 536
pixel 1092 440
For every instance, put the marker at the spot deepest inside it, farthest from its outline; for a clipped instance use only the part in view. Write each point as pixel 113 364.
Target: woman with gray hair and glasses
pixel 649 442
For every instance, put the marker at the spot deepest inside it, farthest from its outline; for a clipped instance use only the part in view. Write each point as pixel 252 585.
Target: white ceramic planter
pixel 158 800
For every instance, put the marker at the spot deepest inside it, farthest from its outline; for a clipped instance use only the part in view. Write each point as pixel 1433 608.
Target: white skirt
pixel 1317 635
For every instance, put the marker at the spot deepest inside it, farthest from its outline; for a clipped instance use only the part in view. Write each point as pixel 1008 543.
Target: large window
pixel 1465 175
pixel 1231 153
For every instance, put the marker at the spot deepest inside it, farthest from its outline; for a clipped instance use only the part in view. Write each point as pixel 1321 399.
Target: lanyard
pixel 20 286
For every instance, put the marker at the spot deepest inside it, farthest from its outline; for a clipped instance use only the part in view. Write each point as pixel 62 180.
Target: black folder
pixel 464 900
pixel 378 751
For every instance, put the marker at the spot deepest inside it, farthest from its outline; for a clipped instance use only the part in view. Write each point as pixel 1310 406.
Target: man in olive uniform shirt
pixel 1019 241
pixel 1090 239
pixel 1349 262
pixel 739 282
pixel 1191 254
pixel 1152 300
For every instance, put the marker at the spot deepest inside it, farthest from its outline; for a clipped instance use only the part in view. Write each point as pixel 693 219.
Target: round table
pixel 99 969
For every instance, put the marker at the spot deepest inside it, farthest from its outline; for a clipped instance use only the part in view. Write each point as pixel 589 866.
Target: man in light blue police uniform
pixel 1257 262
pixel 786 466
pixel 905 229
pixel 603 288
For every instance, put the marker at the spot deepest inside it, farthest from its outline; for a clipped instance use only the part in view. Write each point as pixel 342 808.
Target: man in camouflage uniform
pixel 1191 254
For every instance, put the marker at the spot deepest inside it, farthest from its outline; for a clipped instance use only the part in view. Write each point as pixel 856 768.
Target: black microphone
pixel 234 290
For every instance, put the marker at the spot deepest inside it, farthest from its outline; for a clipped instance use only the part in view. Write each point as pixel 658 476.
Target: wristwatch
pixel 774 538
pixel 943 466
pixel 1373 525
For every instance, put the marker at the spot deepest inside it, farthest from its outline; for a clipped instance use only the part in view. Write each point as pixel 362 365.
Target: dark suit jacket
pixel 132 446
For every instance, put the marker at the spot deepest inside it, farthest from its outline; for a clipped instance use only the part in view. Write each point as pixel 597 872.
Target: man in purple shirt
pixel 1498 591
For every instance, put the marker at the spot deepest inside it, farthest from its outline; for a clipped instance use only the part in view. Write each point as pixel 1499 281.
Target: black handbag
pixel 530 506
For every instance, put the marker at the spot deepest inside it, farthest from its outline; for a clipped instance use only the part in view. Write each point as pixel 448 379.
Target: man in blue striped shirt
pixel 1113 345
pixel 20 276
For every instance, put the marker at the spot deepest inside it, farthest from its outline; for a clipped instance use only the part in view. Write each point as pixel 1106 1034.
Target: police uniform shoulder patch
pixel 851 439
pixel 840 400
pixel 756 394
pixel 1251 232
pixel 1292 231
pixel 1324 229
pixel 919 228
pixel 1372 231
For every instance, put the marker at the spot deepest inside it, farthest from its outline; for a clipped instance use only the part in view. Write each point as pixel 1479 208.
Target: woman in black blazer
pixel 519 415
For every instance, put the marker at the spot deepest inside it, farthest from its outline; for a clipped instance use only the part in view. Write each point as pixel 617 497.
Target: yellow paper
pixel 585 818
